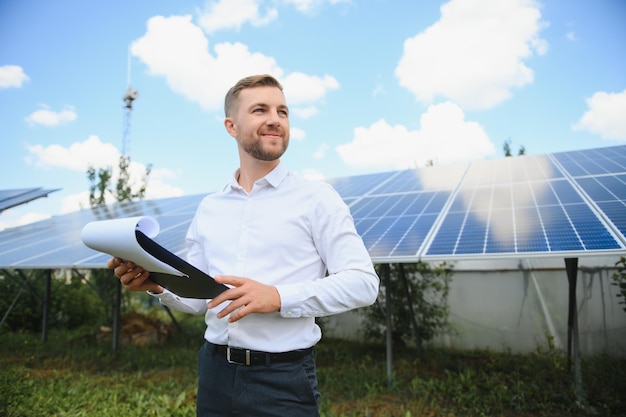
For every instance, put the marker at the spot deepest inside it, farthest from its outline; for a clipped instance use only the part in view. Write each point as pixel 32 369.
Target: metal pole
pixel 387 278
pixel 46 306
pixel 116 314
pixel 571 266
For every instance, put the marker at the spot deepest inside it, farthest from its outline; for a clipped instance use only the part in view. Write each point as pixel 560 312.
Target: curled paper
pixel 131 239
pixel 117 237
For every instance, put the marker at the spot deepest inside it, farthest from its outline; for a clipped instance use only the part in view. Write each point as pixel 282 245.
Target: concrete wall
pixel 522 310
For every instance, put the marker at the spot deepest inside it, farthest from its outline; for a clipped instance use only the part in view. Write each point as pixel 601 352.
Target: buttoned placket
pixel 242 247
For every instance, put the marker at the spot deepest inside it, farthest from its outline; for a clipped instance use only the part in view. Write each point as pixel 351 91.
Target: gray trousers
pixel 278 389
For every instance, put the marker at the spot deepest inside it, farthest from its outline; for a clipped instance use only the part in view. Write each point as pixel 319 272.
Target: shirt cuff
pixel 292 297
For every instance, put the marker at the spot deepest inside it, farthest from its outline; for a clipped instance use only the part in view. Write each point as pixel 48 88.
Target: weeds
pixel 69 376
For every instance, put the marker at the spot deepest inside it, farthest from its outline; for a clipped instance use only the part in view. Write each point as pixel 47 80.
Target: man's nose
pixel 273 118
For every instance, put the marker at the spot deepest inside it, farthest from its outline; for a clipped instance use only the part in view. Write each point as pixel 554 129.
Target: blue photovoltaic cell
pixel 593 161
pixel 616 212
pixel 397 224
pixel 609 195
pixel 360 185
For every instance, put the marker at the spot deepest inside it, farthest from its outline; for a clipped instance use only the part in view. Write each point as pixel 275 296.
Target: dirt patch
pixel 139 330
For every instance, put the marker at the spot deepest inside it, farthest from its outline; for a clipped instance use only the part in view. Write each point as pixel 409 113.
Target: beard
pixel 256 149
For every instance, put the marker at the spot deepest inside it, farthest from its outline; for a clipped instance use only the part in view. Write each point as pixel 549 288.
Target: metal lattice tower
pixel 129 96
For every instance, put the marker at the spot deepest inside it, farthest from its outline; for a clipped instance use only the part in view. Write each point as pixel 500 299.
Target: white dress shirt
pixel 287 232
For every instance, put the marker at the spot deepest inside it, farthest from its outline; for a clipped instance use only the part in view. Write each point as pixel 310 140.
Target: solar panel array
pixel 15 197
pixel 56 243
pixel 565 204
pixel 562 204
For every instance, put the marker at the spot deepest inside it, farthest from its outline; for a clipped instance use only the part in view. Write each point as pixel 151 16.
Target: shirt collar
pixel 274 178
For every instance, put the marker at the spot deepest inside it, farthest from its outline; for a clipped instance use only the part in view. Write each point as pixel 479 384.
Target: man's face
pixel 260 123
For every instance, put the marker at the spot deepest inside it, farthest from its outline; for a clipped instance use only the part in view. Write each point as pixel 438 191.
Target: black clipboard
pixel 193 284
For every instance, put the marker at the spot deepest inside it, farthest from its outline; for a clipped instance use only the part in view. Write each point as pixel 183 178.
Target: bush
pixel 619 279
pixel 73 303
pixel 419 308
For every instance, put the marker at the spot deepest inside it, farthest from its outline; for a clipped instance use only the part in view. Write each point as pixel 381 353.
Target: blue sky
pixel 372 86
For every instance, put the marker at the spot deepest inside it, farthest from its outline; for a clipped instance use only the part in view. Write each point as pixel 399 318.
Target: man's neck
pixel 252 171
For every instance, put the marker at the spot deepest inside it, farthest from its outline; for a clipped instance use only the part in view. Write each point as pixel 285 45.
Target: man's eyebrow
pixel 265 105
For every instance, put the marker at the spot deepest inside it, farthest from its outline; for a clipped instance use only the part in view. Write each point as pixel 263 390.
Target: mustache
pixel 277 130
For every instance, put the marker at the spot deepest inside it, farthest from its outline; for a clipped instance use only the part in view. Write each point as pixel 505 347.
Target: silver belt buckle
pixel 247 362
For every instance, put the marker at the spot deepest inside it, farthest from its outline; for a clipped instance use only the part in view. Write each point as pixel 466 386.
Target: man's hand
pixel 133 277
pixel 247 296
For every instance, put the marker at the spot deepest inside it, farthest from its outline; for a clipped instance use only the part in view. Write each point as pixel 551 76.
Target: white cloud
pixel 444 137
pixel 303 88
pixel 156 188
pixel 320 152
pixel 176 49
pixel 297 134
pixel 75 202
pixel 23 219
pixel 12 76
pixel 605 116
pixel 77 157
pixel 232 14
pixel 310 6
pixel 474 54
pixel 304 112
pixel 313 174
pixel 47 117
pixel 378 90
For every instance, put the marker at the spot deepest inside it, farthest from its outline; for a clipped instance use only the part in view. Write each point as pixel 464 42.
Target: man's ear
pixel 230 127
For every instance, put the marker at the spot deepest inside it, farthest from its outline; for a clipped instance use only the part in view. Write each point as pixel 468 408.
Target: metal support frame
pixel 46 301
pixel 573 340
pixel 389 342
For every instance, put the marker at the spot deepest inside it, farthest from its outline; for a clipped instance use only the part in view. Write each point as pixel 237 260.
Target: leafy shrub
pixel 73 303
pixel 619 279
pixel 418 303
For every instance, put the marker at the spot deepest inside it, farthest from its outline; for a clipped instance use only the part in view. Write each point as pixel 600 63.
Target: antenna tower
pixel 129 96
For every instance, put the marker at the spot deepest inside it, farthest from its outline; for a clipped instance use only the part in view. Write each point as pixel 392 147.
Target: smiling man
pixel 287 249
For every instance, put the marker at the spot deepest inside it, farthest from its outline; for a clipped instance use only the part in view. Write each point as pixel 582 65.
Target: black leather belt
pixel 255 357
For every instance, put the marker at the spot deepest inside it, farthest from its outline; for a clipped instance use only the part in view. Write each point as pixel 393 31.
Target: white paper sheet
pixel 117 238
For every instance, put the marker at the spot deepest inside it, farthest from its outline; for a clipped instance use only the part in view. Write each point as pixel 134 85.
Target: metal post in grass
pixel 387 277
pixel 46 306
pixel 573 345
pixel 116 314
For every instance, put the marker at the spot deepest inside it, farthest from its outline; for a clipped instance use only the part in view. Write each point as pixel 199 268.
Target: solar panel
pixel 16 197
pixel 397 210
pixel 599 161
pixel 566 204
pixel 56 243
pixel 525 206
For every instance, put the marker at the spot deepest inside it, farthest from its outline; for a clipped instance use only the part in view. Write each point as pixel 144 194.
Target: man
pixel 287 249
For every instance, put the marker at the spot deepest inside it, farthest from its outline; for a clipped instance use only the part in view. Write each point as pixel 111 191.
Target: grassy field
pixel 72 375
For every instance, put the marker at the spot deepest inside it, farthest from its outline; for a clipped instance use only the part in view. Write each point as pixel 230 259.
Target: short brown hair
pixel 248 82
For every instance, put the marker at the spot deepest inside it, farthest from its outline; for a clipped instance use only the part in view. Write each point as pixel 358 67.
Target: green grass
pixel 72 375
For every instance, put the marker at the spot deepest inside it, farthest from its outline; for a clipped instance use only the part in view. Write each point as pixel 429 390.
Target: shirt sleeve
pixel 186 305
pixel 351 281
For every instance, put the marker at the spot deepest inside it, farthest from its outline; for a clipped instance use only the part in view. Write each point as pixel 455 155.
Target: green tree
pixel 619 279
pixel 419 303
pixel 506 148
pixel 100 184
pixel 99 187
